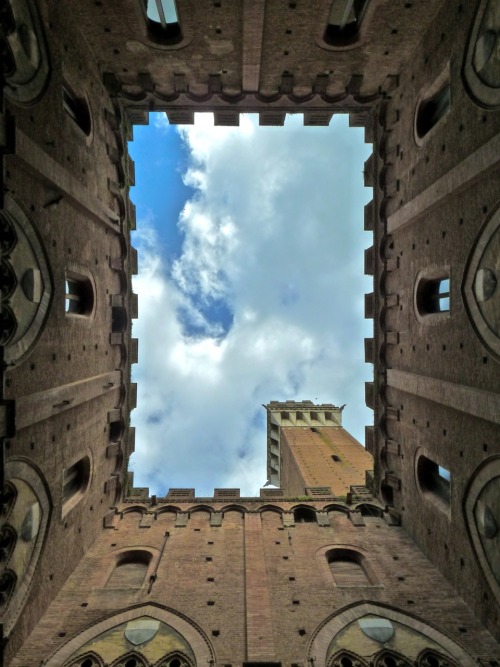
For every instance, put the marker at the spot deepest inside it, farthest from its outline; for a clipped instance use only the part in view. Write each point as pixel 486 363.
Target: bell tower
pixel 308 450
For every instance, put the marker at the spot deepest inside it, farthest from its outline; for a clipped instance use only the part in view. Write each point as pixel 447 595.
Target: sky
pixel 251 289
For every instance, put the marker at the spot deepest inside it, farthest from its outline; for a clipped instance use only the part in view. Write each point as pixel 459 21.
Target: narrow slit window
pixel 163 21
pixel 432 109
pixel 77 109
pixel 344 21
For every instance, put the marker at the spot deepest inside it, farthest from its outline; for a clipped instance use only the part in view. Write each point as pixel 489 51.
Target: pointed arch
pixel 201 508
pixel 132 659
pixel 192 633
pixel 391 658
pixel 88 659
pixel 429 658
pixel 331 626
pixel 346 659
pixel 174 659
pixel 134 508
pixel 334 507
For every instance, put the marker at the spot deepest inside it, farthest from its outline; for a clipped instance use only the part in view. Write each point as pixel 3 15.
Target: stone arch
pixel 33 518
pixel 369 509
pixel 271 508
pixel 28 66
pixel 192 633
pixel 346 659
pixel 388 658
pixel 88 659
pixel 481 288
pixel 200 508
pixel 28 290
pixel 324 635
pixel 174 659
pixel 479 71
pixel 336 508
pixel 166 509
pixel 482 517
pixel 234 508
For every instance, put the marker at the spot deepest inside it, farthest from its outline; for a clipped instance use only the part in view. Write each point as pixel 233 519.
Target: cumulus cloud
pixel 264 301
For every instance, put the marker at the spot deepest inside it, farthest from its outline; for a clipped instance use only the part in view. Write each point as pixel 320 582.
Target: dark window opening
pixel 344 22
pixel 77 108
pixel 387 493
pixel 431 110
pixel 434 479
pixel 336 458
pixel 79 295
pixel 7 584
pixel 433 296
pixel 304 515
pixel 163 21
pixel 118 319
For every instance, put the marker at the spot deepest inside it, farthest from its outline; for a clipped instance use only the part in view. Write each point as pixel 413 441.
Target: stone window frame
pixel 433 273
pixel 156 39
pixel 427 494
pixel 425 95
pixel 132 555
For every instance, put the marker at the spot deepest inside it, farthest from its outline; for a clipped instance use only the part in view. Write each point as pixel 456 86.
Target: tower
pixel 309 453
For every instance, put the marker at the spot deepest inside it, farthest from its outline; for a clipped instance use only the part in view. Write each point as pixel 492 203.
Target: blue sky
pixel 250 287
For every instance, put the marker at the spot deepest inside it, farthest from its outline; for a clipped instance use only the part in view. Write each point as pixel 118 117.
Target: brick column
pixel 259 628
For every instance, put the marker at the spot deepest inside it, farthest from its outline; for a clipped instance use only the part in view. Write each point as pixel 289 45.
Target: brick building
pixel 335 568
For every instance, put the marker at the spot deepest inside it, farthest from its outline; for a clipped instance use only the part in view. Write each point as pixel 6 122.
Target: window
pixel 163 21
pixel 130 570
pixel 75 482
pixel 433 295
pixel 431 110
pixel 79 295
pixel 344 21
pixel 77 108
pixel 434 480
pixel 304 515
pixel 347 567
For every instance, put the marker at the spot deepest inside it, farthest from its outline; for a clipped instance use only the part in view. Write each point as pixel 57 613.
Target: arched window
pixel 431 658
pixel 433 296
pixel 347 567
pixel 346 659
pixel 304 515
pixel 431 110
pixel 391 659
pixel 77 109
pixel 129 660
pixel 130 570
pixel 163 21
pixel 119 319
pixel 344 21
pixel 435 480
pixel 7 585
pixel 75 482
pixel 79 295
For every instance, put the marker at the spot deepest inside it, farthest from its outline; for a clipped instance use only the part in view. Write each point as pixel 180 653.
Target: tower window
pixel 79 295
pixel 336 458
pixel 163 21
pixel 347 567
pixel 434 480
pixel 344 21
pixel 433 295
pixel 77 108
pixel 130 570
pixel 75 483
pixel 431 110
pixel 304 515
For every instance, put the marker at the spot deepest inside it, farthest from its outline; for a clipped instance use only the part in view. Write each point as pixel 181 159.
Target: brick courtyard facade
pixel 387 555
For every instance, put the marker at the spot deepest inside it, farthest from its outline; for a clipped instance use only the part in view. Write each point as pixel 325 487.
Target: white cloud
pixel 275 230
